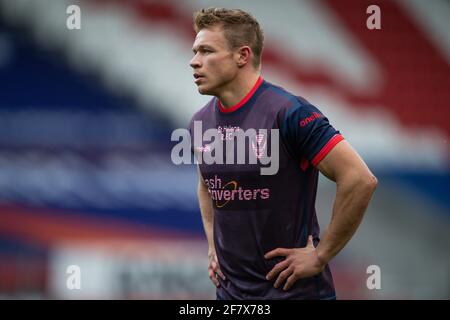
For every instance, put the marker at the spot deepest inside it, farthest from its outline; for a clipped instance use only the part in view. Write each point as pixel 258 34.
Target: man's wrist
pixel 322 256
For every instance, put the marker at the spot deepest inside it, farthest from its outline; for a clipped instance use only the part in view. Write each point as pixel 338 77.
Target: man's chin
pixel 204 91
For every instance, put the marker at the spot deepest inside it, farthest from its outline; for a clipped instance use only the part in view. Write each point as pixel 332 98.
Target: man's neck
pixel 237 90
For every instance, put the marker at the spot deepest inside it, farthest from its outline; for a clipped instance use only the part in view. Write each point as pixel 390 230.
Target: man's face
pixel 214 63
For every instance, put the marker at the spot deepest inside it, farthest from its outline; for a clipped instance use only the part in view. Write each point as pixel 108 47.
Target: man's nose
pixel 195 63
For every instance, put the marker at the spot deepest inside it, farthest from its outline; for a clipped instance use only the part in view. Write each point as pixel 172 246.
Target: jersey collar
pixel 243 101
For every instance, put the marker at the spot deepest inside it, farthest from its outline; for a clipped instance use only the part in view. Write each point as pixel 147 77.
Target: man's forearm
pixel 352 198
pixel 207 213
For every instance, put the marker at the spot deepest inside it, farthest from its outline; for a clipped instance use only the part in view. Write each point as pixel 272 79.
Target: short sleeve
pixel 308 133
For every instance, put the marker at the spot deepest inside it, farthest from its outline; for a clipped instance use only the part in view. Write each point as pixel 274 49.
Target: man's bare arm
pixel 207 212
pixel 355 185
pixel 206 209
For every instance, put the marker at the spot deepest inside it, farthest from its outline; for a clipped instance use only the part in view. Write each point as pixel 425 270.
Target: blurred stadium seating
pixel 86 117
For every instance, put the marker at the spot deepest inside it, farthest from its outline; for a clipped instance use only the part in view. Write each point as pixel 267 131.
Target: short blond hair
pixel 240 28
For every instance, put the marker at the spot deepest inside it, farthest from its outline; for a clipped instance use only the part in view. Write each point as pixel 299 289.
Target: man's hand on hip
pixel 214 269
pixel 299 263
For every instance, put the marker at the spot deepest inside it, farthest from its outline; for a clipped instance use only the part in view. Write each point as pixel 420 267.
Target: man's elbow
pixel 369 182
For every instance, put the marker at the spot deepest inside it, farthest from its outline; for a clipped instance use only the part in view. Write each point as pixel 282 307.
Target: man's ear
pixel 245 55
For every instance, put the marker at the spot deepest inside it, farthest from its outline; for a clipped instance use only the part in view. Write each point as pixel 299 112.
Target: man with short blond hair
pixel 262 230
